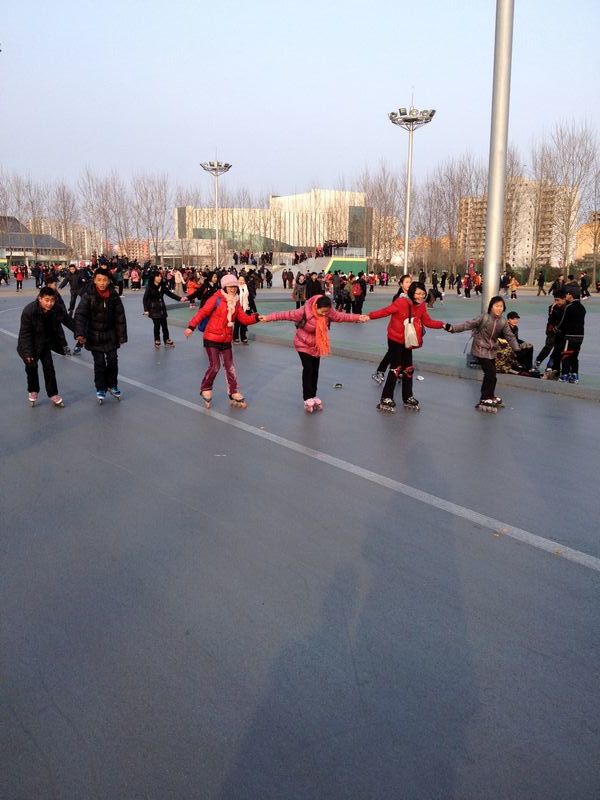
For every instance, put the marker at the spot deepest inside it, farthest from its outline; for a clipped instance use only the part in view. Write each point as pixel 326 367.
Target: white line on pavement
pixel 490 523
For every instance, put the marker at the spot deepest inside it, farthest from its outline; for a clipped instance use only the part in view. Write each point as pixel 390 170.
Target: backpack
pixel 204 322
pixel 356 290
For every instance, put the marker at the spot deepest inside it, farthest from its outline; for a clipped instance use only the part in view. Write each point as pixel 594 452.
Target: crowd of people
pixel 227 307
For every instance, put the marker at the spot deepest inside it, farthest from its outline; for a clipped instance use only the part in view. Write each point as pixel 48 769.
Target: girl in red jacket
pixel 312 340
pixel 221 311
pixel 404 309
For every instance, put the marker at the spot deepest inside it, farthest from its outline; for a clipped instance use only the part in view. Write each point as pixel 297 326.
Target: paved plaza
pixel 266 604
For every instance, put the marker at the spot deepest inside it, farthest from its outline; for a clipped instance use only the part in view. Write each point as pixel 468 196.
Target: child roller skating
pixel 311 341
pixel 487 329
pixel 40 332
pixel 217 318
pixel 405 333
pixel 155 308
pixel 101 326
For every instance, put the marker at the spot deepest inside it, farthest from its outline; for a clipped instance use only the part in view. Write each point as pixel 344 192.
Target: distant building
pixel 20 246
pixel 134 249
pixel 81 242
pixel 588 237
pixel 298 221
pixel 531 221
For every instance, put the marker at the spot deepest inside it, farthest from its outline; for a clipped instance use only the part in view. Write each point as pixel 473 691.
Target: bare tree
pixel 592 224
pixel 36 205
pixel 152 201
pixel 574 152
pixel 63 209
pixel 382 191
pixel 120 206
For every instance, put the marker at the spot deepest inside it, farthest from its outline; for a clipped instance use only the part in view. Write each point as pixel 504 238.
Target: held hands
pixel 262 318
pixel 448 327
pixel 80 339
pixel 364 318
pixel 184 300
pixel 145 313
pixel 188 332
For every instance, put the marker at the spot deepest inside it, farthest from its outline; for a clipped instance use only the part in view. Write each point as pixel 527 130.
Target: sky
pixel 292 94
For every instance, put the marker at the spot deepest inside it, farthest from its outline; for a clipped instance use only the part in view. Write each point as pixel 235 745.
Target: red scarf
pixel 322 336
pixel 104 294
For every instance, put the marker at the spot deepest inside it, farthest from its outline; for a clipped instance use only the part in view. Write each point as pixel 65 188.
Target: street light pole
pixel 216 168
pixel 498 148
pixel 409 120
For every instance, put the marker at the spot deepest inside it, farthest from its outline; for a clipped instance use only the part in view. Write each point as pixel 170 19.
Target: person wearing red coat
pixel 221 311
pixel 404 309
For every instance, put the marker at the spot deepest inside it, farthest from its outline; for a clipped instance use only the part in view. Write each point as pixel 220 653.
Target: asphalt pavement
pixel 269 604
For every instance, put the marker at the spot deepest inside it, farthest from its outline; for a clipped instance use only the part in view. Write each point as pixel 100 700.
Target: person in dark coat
pixel 155 308
pixel 76 283
pixel 40 332
pixel 101 326
pixel 313 286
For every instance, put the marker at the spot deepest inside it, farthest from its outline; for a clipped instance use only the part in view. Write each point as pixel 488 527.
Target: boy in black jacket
pixel 555 314
pixel 101 326
pixel 569 337
pixel 40 333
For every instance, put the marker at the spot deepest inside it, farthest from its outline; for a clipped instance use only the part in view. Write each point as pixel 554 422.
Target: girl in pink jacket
pixel 312 340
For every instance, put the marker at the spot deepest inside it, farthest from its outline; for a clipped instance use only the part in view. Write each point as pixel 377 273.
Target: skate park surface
pixel 269 604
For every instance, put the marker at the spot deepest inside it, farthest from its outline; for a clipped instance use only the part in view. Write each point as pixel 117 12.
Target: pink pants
pixel 214 365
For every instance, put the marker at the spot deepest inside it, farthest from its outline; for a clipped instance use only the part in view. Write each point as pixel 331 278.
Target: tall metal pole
pixel 408 192
pixel 498 148
pixel 217 219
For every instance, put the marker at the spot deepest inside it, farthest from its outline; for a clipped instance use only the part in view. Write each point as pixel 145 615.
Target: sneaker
pixel 537 364
pixel 574 378
pixel 77 350
pixel 565 378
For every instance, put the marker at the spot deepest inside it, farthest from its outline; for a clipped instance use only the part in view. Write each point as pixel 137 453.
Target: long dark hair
pixel 496 299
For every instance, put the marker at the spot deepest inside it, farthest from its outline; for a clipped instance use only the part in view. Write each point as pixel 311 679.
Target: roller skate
pixel 488 406
pixel 412 403
pixel 100 396
pixel 206 395
pixel 378 377
pixel 237 400
pixel 169 343
pixel 157 344
pixel 387 404
pixel 573 378
pixel 32 397
pixel 318 404
pixel 550 375
pixel 309 406
pixel 565 378
pixel 57 401
pixel 116 392
pixel 498 402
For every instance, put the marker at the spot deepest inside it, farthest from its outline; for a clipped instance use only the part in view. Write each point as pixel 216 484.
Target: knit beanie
pixel 228 280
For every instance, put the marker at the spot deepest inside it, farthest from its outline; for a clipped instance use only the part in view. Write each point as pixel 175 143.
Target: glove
pixel 448 327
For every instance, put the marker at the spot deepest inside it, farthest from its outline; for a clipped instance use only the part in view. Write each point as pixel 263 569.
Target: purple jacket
pixel 305 338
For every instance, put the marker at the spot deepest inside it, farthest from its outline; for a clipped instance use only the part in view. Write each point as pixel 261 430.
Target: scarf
pixel 244 297
pixel 104 294
pixel 322 336
pixel 232 301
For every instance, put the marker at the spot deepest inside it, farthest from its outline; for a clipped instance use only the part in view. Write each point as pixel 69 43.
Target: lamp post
pixel 498 148
pixel 409 120
pixel 216 168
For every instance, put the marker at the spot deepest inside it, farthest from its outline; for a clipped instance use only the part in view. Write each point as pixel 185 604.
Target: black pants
pixel 546 349
pixel 300 303
pixel 384 363
pixel 19 285
pixel 488 387
pixel 357 305
pixel 106 368
pixel 240 331
pixel 159 323
pixel 72 302
pixel 570 357
pixel 33 380
pixel 310 375
pixel 525 358
pixel 120 288
pixel 400 356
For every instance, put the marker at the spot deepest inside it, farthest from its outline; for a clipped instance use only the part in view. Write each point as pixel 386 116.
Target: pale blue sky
pixel 290 93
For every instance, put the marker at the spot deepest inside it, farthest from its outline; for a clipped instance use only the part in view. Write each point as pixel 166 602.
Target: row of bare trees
pixel 559 187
